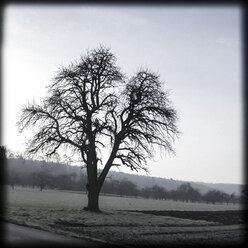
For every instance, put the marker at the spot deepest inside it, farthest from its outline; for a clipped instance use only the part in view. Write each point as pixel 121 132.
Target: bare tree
pixel 91 105
pixel 3 157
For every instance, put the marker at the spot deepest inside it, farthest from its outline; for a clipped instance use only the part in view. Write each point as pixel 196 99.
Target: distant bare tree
pixel 2 153
pixel 91 104
pixel 187 192
pixel 41 177
pixel 3 157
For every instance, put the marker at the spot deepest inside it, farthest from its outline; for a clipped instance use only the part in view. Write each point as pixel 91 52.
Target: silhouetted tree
pixel 2 153
pixel 214 196
pixel 91 103
pixel 3 157
pixel 127 187
pixel 183 190
pixel 155 192
pixel 194 195
pixel 187 192
pixel 233 198
pixel 244 195
pixel 12 178
pixel 41 179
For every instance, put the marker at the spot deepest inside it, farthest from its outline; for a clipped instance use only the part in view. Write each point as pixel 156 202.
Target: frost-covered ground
pixel 75 200
pixel 62 212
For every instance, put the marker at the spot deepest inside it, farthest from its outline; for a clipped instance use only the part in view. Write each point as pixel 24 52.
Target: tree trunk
pixel 93 199
pixel 93 190
pixel 94 184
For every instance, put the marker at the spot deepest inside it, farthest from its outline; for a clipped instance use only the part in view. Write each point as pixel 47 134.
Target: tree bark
pixel 93 199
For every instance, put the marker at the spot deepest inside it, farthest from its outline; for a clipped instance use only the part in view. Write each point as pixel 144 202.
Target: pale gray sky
pixel 196 50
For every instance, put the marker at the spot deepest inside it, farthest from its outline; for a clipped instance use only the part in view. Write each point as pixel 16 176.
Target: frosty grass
pixel 62 212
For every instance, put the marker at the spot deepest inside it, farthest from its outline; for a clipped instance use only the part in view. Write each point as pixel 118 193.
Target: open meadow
pixel 126 221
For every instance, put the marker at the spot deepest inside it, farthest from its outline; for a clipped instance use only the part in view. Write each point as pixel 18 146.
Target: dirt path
pixel 231 217
pixel 21 235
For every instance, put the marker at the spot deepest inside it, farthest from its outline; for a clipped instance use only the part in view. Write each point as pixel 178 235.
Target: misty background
pixel 196 50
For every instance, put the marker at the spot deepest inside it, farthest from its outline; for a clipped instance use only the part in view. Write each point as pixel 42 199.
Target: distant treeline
pixel 29 173
pixel 185 192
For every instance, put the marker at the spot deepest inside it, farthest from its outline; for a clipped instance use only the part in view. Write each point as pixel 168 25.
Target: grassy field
pixel 75 200
pixel 62 212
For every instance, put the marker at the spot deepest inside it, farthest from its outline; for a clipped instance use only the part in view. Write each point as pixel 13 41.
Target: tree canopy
pixel 91 105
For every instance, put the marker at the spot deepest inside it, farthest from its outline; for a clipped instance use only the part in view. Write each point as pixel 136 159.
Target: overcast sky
pixel 196 50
